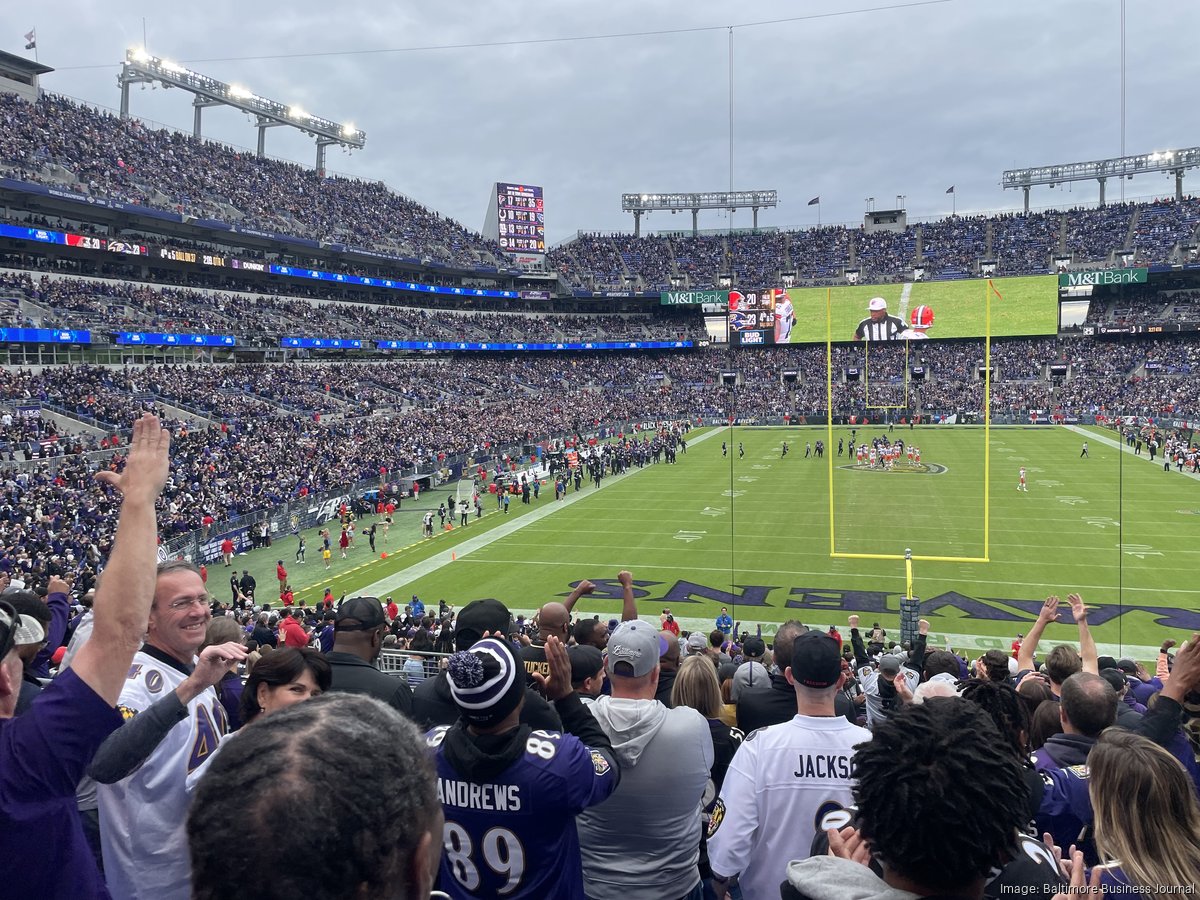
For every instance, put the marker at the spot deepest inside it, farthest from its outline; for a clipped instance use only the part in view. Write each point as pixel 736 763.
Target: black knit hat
pixel 487 681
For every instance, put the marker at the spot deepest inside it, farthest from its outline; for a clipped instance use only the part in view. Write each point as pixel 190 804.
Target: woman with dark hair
pixel 286 676
pixel 1045 724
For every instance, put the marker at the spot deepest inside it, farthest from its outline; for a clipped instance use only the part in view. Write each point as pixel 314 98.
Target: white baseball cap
pixel 877 303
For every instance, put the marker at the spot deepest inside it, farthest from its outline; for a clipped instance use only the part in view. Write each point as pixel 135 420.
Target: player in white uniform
pixel 785 317
pixel 786 781
pixel 1021 485
pixel 143 816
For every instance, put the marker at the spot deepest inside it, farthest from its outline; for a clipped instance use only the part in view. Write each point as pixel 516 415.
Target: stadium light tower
pixel 142 68
pixel 1170 161
pixel 639 204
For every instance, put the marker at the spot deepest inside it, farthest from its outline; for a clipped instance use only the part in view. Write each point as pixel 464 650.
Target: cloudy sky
pixel 904 101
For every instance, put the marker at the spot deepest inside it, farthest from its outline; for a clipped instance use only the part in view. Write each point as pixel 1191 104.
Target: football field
pixel 753 534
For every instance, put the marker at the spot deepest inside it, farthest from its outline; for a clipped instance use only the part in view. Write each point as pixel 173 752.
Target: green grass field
pixel 753 534
pixel 1029 306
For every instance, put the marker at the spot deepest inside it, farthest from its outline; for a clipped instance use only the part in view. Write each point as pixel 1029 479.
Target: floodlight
pixel 297 113
pixel 241 93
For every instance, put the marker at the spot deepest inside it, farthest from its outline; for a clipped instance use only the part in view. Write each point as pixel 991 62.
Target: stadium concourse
pixel 158 736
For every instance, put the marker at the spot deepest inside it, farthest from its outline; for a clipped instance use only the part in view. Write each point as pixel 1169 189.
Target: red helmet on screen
pixel 735 297
pixel 922 317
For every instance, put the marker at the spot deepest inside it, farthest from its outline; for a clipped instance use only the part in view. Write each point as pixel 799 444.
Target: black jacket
pixel 433 705
pixel 357 676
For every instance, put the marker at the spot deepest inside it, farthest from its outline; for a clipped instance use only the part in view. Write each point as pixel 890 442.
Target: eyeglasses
pixel 185 602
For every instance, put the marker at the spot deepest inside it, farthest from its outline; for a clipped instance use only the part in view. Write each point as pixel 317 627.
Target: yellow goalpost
pixel 907 556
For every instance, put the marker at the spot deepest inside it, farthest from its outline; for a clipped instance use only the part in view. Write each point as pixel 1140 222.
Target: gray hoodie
pixel 830 878
pixel 644 840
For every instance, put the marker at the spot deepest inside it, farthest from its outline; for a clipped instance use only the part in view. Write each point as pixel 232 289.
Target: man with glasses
pixel 144 767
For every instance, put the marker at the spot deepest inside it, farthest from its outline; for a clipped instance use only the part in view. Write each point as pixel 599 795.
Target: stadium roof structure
pixel 140 67
pixel 1171 161
pixel 639 204
pixel 14 63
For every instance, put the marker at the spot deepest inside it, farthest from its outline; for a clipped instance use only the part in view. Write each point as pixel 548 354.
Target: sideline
pixel 1118 445
pixel 394 582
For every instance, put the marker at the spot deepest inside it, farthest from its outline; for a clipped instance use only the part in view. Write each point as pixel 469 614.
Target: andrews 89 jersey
pixel 513 834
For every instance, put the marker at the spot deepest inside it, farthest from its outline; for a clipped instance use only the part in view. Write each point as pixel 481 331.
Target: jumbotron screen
pixel 1025 305
pixel 521 218
pixel 752 317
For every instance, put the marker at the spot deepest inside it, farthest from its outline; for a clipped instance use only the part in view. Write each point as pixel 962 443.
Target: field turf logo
pixel 906 469
pixel 824 602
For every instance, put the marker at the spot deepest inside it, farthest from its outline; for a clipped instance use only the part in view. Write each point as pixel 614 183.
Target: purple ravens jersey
pixel 1066 809
pixel 513 835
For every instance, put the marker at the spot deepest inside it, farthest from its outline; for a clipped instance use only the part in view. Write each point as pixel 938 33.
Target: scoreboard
pixel 520 218
pixel 752 318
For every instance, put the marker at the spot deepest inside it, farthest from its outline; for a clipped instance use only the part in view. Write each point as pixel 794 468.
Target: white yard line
pixel 904 295
pixel 394 582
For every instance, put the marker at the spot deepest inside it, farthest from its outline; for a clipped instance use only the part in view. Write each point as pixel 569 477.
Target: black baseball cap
pixel 754 646
pixel 586 662
pixel 816 660
pixel 480 616
pixel 359 614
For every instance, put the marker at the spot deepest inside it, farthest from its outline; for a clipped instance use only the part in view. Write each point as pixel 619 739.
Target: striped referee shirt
pixel 885 329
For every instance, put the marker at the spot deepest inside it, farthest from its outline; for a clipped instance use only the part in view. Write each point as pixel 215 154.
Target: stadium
pixel 901 418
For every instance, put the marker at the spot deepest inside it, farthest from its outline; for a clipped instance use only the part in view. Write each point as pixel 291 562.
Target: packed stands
pixel 94 153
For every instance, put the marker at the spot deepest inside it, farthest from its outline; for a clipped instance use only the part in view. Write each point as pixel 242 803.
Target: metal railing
pixel 414 666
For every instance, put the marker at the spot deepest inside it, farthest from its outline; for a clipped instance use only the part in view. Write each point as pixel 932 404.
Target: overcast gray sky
pixel 903 101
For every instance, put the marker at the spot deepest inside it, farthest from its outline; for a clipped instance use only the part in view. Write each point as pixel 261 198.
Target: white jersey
pixel 786 782
pixel 143 817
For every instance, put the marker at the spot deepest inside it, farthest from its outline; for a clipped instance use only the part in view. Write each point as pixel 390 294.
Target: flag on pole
pixel 992 288
pixel 815 201
pixel 31 39
pixel 950 190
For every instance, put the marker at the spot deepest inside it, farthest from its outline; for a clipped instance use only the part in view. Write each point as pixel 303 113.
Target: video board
pixel 520 218
pixel 760 318
pixel 1022 305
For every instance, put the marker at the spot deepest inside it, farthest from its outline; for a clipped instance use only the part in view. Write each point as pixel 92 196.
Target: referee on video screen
pixel 878 326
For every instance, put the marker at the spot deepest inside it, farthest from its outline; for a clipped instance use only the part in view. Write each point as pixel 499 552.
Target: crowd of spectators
pixel 567 756
pixel 124 159
pixel 55 301
pixel 1019 244
pixel 128 161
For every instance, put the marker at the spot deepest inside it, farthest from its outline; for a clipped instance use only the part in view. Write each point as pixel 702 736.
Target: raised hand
pixel 853 621
pixel 625 578
pixel 1079 610
pixel 218 660
pixel 1049 612
pixel 147 464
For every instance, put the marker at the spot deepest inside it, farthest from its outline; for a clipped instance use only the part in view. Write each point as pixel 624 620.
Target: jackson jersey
pixel 513 835
pixel 786 783
pixel 144 816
